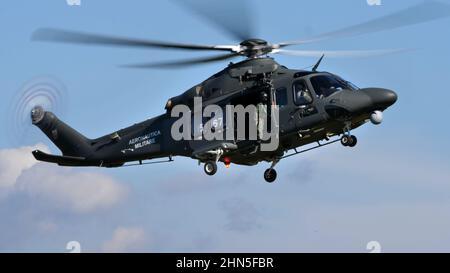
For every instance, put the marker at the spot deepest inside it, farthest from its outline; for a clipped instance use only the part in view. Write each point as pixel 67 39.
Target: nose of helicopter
pixel 381 98
pixel 366 100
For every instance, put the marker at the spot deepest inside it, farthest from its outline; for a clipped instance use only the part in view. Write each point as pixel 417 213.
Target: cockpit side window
pixel 325 85
pixel 302 95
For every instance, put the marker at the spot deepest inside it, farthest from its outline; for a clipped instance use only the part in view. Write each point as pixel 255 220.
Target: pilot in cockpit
pixel 302 94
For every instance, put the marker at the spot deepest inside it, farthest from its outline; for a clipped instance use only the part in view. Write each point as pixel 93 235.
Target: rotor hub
pixel 252 48
pixel 254 42
pixel 37 114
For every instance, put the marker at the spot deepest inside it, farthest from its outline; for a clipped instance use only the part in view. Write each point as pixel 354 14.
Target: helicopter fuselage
pixel 312 106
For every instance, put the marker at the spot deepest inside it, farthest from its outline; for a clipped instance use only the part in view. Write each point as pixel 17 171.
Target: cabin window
pixel 302 95
pixel 207 93
pixel 216 92
pixel 281 96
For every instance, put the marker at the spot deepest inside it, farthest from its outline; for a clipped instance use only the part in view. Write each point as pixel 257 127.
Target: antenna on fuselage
pixel 318 63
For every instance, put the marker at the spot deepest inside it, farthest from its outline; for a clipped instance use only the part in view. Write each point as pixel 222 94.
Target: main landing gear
pixel 270 175
pixel 210 168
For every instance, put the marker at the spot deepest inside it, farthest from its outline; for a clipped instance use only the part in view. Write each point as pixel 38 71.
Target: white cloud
pixel 126 239
pixel 63 188
pixel 13 162
pixel 78 191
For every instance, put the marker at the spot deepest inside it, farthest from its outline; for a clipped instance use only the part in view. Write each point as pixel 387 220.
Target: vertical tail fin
pixel 67 139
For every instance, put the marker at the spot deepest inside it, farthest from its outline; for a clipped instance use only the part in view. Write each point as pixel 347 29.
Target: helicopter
pixel 310 106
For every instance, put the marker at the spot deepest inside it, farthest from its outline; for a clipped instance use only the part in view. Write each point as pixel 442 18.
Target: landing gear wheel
pixel 345 140
pixel 210 168
pixel 349 141
pixel 270 175
pixel 353 141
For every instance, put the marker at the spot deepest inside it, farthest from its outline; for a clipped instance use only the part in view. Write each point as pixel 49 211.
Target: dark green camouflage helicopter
pixel 313 106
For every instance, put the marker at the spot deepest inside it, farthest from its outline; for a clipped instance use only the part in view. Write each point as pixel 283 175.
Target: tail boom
pixel 135 143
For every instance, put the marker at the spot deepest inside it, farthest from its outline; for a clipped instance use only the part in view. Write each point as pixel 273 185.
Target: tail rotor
pixel 36 96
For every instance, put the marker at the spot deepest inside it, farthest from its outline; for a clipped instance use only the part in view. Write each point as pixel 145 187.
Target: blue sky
pixel 392 188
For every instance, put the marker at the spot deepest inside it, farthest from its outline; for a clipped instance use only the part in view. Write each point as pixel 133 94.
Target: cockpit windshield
pixel 325 85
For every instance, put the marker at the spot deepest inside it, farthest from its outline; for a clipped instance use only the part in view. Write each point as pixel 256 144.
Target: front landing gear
pixel 270 175
pixel 210 168
pixel 349 141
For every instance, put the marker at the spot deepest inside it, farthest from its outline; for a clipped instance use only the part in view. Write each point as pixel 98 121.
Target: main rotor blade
pixel 65 36
pixel 180 64
pixel 233 16
pixel 421 13
pixel 339 53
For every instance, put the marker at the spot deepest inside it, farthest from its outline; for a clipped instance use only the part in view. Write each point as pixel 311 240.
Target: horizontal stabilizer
pixel 60 160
